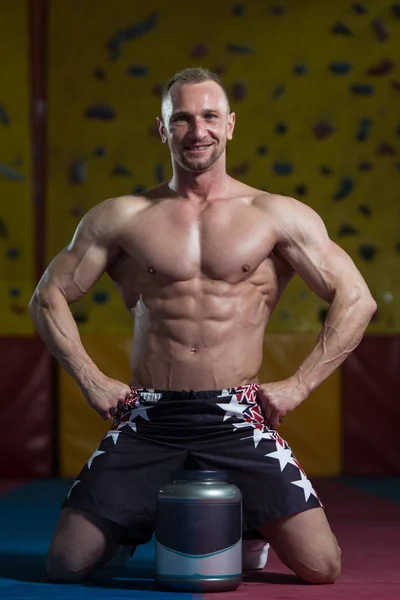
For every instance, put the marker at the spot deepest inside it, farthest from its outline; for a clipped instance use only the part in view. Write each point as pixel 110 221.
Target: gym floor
pixel 364 513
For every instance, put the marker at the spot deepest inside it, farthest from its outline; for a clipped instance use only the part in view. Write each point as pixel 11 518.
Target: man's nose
pixel 199 128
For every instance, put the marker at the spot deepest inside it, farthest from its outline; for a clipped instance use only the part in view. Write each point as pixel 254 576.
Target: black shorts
pixel 159 432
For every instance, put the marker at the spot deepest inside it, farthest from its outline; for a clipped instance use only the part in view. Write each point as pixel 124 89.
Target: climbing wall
pixel 16 214
pixel 316 88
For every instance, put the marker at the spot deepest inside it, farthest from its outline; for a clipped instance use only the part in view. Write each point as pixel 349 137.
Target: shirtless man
pixel 200 262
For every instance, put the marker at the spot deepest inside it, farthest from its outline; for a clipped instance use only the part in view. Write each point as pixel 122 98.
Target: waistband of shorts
pixel 200 394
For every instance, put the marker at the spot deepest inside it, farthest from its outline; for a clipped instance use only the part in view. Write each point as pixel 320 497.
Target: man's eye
pixel 211 117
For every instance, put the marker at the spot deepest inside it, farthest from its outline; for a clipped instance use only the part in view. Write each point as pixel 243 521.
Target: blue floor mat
pixel 28 515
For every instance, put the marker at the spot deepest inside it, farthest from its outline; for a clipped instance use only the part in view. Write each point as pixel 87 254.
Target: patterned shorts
pixel 159 432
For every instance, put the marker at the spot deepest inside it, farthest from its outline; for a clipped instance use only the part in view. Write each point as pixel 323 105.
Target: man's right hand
pixel 106 396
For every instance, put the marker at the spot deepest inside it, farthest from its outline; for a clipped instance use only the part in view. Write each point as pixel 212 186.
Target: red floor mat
pixel 368 530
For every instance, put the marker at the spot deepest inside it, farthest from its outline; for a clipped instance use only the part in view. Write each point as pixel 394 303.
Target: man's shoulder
pixel 276 202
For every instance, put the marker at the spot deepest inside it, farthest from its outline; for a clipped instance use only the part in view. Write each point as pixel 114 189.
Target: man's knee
pixel 63 570
pixel 325 569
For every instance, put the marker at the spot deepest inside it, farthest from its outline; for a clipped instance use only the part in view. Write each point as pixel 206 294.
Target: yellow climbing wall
pixel 314 84
pixel 17 262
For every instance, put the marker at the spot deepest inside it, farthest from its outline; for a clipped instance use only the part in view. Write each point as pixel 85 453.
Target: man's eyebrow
pixel 183 113
pixel 180 113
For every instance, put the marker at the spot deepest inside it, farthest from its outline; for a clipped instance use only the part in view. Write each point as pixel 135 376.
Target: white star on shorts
pixel 72 487
pixel 284 455
pixel 305 483
pixel 94 455
pixel 233 409
pixel 112 434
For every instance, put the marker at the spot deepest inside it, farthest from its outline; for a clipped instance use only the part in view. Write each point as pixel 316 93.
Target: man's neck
pixel 209 184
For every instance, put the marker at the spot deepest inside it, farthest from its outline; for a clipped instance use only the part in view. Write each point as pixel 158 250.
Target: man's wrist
pixel 303 389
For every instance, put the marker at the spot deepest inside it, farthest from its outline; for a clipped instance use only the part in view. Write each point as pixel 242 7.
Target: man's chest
pixel 219 243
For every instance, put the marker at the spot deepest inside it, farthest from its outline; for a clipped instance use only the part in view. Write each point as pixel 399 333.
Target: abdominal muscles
pixel 200 334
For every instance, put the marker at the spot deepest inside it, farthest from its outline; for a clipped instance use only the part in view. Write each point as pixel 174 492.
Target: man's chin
pixel 198 166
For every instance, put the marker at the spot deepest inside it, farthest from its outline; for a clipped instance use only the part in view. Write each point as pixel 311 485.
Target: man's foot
pixel 120 558
pixel 254 554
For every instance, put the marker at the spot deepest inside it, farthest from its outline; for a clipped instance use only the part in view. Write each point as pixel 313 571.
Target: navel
pixel 245 268
pixel 151 270
pixel 194 351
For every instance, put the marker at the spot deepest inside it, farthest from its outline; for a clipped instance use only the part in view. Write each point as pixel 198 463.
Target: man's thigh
pixel 306 544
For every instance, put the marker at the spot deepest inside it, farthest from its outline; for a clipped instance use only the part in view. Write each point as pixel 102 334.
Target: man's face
pixel 196 123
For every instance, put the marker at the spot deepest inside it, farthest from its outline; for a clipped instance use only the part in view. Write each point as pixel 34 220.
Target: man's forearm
pixel 57 328
pixel 343 330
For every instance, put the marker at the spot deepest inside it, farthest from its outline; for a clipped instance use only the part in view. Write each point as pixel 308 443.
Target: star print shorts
pixel 158 433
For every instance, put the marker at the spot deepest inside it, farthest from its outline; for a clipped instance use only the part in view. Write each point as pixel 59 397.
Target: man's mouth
pixel 197 148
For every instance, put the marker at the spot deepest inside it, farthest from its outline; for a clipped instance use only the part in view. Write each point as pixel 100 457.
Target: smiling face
pixel 196 124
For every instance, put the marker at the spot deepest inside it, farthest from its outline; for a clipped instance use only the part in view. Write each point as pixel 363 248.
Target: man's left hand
pixel 279 398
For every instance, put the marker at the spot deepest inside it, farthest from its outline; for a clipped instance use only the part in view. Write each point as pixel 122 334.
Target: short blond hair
pixel 194 75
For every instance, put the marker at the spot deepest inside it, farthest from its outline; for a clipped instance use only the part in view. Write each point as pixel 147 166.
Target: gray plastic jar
pixel 199 533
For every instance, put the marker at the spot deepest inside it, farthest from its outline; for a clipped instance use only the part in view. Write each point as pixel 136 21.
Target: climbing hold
pixel 380 29
pixel 340 68
pixel 341 29
pixel 13 253
pixel 360 9
pixel 99 151
pixel 11 174
pixel 385 67
pixel 325 170
pixel 365 165
pixel 239 91
pixel 120 170
pixel 14 292
pixel 199 51
pixel 385 149
pixel 100 111
pixel 77 172
pixel 362 89
pixel 365 210
pixel 4 118
pixel 237 10
pixel 300 69
pixel 125 35
pixel 262 149
pixel 3 230
pixel 301 189
pixel 236 49
pixel 283 168
pixel 138 70
pixel 281 128
pixel 80 317
pixel 278 10
pixel 159 173
pixel 367 251
pixel 279 91
pixel 240 169
pixel 101 297
pixel 323 129
pixel 364 129
pixel 345 188
pixel 100 74
pixel 346 229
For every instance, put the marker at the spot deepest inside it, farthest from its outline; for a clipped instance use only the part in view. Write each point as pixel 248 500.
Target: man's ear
pixel 162 130
pixel 231 125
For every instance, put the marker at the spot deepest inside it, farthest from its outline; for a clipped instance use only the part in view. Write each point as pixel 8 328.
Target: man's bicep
pixel 325 267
